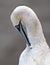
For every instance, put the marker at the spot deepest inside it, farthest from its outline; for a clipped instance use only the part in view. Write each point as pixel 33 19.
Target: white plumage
pixel 37 51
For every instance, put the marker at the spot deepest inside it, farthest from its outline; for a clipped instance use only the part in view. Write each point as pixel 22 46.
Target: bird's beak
pixel 21 29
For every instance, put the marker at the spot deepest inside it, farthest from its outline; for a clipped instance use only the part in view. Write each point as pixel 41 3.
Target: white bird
pixel 37 51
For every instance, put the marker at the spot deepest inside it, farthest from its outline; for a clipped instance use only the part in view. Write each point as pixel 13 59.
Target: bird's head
pixel 26 21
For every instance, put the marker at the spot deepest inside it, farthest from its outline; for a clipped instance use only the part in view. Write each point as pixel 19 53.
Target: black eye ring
pixel 18 26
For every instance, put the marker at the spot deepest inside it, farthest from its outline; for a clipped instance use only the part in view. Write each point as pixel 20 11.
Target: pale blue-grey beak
pixel 20 28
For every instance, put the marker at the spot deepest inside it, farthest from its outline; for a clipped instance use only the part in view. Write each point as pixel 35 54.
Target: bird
pixel 37 51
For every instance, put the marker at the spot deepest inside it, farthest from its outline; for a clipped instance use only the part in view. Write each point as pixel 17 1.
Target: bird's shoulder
pixel 47 59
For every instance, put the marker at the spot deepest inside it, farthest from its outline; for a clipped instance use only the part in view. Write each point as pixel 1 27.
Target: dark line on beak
pixel 19 27
pixel 25 35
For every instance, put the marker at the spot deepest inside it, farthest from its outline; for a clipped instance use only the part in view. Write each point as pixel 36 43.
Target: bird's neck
pixel 37 39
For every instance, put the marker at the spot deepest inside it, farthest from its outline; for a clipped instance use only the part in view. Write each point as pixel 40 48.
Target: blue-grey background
pixel 11 42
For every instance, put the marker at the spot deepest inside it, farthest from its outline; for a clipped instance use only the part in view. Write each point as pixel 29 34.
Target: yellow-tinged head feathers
pixel 29 21
pixel 22 12
pixel 27 16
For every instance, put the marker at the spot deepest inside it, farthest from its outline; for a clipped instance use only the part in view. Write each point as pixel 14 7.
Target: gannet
pixel 37 51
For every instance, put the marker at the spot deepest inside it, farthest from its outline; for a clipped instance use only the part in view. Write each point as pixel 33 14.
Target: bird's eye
pixel 18 26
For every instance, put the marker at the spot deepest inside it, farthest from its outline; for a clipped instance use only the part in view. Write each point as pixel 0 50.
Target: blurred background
pixel 11 42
